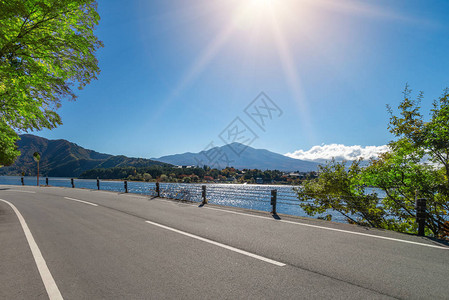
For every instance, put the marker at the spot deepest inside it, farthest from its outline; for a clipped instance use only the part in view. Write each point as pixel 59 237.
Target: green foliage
pixel 8 148
pixel 46 47
pixel 401 173
pixel 403 177
pixel 147 177
pixel 188 175
pixel 36 156
pixel 339 190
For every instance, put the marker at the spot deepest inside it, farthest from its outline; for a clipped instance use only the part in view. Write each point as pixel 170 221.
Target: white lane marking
pixel 333 229
pixel 328 228
pixel 368 235
pixel 219 244
pixel 30 192
pixel 93 204
pixel 239 213
pixel 49 283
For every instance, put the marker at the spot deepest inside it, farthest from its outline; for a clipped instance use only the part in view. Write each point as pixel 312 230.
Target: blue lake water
pixel 248 196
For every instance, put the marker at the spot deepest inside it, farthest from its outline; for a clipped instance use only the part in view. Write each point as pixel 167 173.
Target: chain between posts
pixel 193 193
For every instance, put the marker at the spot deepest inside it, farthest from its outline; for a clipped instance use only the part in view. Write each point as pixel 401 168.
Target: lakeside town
pixel 195 174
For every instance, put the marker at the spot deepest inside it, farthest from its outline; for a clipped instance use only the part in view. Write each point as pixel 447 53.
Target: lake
pixel 250 196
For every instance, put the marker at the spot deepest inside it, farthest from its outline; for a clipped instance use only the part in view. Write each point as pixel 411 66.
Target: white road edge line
pixel 85 202
pixel 333 229
pixel 323 227
pixel 279 264
pixel 49 283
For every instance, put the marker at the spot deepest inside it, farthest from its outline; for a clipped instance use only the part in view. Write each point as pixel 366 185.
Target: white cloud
pixel 339 152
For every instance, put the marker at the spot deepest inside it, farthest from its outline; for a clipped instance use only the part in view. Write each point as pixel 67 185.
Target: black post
pixel 73 183
pixel 203 194
pixel 421 215
pixel 158 190
pixel 23 182
pixel 46 180
pixel 126 186
pixel 274 194
pixel 98 183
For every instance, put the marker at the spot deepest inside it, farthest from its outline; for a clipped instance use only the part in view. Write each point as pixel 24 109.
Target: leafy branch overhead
pixel 46 48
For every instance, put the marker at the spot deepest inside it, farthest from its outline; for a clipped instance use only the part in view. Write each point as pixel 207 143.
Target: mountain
pixel 61 158
pixel 241 157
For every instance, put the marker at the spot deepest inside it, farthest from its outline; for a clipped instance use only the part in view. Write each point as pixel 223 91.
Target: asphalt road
pixel 135 247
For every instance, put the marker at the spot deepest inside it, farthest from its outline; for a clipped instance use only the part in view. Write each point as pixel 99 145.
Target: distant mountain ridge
pixel 61 158
pixel 241 157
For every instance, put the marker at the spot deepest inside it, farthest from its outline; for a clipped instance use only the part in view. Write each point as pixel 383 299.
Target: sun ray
pixel 201 62
pixel 293 80
pixel 254 14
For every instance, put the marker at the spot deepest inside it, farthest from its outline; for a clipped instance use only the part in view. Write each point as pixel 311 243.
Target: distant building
pixel 259 180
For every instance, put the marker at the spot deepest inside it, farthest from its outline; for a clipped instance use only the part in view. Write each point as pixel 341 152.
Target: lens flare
pixel 261 4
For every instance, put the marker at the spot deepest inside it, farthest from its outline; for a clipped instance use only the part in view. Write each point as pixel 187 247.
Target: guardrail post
pixel 158 190
pixel 46 180
pixel 274 194
pixel 23 182
pixel 126 186
pixel 73 183
pixel 98 184
pixel 421 215
pixel 203 194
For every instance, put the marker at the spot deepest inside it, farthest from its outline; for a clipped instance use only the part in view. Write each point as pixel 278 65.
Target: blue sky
pixel 175 74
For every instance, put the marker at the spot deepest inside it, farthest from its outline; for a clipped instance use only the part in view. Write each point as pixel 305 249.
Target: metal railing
pixel 257 197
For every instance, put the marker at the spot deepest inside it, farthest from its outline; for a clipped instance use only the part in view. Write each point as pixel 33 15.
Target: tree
pixel 46 47
pixel 417 165
pixel 8 151
pixel 403 176
pixel 338 189
pixel 147 177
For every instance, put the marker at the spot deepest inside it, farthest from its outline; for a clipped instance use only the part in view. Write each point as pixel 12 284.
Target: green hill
pixel 61 158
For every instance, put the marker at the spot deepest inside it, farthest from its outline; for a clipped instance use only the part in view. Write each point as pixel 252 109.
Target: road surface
pixel 106 245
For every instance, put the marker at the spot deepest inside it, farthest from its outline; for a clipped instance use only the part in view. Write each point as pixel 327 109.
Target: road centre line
pixel 93 204
pixel 279 264
pixel 49 283
pixel 325 228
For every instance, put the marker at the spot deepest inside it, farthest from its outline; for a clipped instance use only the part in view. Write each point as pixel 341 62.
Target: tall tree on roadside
pixel 46 48
pixel 417 165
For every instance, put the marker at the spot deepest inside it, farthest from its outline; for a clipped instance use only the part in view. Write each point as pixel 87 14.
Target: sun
pixel 261 4
pixel 254 13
